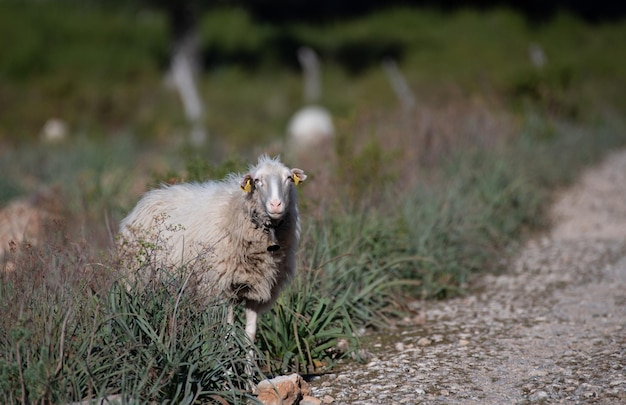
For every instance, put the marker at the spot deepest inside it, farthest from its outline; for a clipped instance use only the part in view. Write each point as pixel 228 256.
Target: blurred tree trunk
pixel 185 64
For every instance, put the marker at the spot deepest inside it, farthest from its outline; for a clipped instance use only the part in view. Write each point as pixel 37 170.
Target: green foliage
pixel 302 330
pixel 70 331
pixel 348 282
pixel 83 42
pixel 167 349
pixel 9 189
pixel 75 63
pixel 91 176
pixel 199 169
pixel 550 89
pixel 463 226
pixel 232 34
pixel 363 171
pixel 101 68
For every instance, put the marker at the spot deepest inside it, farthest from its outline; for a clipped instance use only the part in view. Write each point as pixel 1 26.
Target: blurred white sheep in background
pixel 54 130
pixel 312 126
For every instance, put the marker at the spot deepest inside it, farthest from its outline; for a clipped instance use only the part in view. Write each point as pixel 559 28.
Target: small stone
pixel 424 342
pixel 400 346
pixel 463 342
pixel 437 338
pixel 283 390
pixel 309 400
pixel 328 399
pixel 539 396
pixel 342 345
pixel 538 373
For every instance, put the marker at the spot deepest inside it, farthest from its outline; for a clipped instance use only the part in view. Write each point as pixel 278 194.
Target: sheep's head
pixel 272 183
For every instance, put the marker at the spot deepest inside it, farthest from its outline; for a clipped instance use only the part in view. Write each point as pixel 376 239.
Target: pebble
pixel 308 400
pixel 538 373
pixel 327 399
pixel 424 342
pixel 539 396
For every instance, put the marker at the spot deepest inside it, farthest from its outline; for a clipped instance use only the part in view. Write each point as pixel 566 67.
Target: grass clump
pixel 344 285
pixel 72 331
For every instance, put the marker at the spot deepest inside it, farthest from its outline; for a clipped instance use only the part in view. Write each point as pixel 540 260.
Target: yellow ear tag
pixel 296 179
pixel 248 187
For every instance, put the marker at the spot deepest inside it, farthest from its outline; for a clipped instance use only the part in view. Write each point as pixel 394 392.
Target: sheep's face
pixel 272 185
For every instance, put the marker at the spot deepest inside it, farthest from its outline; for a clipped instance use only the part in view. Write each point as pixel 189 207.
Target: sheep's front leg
pixel 251 318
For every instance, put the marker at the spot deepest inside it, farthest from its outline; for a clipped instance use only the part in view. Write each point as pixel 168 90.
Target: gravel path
pixel 552 329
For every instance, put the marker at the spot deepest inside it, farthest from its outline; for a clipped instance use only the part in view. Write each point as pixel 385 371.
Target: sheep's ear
pixel 298 176
pixel 246 183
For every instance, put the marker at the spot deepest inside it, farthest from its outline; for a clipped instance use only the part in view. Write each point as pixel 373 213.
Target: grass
pixel 76 332
pixel 416 206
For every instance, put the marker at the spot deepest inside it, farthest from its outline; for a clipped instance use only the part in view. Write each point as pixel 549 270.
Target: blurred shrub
pixel 230 34
pixel 551 89
pixel 9 189
pixel 199 169
pixel 82 42
pixel 84 64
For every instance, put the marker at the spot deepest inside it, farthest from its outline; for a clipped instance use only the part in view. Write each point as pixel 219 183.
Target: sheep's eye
pixel 258 182
pixel 289 178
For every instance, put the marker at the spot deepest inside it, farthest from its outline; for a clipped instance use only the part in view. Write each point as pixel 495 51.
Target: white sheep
pixel 240 234
pixel 311 127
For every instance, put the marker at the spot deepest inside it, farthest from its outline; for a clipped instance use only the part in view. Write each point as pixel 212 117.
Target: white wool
pixel 309 126
pixel 223 232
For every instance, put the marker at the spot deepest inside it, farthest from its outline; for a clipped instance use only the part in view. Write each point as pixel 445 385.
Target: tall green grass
pixel 72 330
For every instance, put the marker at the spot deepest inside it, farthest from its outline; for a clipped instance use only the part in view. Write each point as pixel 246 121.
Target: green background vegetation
pixel 417 203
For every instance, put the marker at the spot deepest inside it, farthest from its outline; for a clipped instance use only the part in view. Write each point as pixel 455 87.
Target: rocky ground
pixel 551 329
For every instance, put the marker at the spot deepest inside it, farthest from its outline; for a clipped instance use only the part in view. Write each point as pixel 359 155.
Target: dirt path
pixel 550 330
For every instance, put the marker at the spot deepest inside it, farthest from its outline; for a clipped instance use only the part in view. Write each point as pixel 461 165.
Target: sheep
pixel 312 125
pixel 240 233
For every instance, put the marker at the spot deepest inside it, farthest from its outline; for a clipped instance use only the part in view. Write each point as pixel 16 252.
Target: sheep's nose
pixel 275 208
